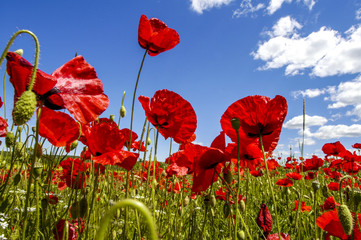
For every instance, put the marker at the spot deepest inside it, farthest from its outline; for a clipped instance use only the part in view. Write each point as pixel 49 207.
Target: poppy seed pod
pixel 74 145
pixel 242 206
pixel 24 108
pixel 38 169
pixel 345 217
pixel 315 185
pixel 19 52
pixel 123 111
pixel 228 177
pixel 357 197
pixel 213 201
pixel 241 235
pixel 226 209
pixel 236 124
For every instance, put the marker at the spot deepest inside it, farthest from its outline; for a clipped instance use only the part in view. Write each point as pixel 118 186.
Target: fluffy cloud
pixel 312 93
pixel 297 122
pixel 337 131
pixel 358 14
pixel 285 26
pixel 325 52
pixel 200 5
pixel 277 4
pixel 246 8
pixel 274 5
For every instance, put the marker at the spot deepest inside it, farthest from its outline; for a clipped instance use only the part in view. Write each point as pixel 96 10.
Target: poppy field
pixel 77 175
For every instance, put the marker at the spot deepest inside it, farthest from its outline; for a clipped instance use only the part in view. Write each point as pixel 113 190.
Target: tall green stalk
pixel 270 187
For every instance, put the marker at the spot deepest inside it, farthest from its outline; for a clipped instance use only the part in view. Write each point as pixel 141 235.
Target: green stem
pixel 101 233
pixel 4 100
pixel 135 91
pixel 238 185
pixel 270 186
pixel 25 217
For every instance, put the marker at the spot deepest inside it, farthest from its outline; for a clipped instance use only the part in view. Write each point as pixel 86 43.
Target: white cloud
pixel 338 131
pixel 312 93
pixel 274 5
pixel 246 8
pixel 325 52
pixel 200 5
pixel 285 27
pixel 297 122
pixel 358 14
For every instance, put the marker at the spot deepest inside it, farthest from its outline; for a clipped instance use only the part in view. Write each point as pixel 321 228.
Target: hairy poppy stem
pixel 25 217
pixel 135 91
pixel 140 207
pixel 270 186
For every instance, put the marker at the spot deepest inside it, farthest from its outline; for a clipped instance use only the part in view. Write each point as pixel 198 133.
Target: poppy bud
pixel 206 201
pixel 226 209
pixel 44 203
pixel 236 124
pixel 242 206
pixel 19 52
pixel 227 175
pixel 75 210
pixel 315 185
pixel 17 179
pixel 186 201
pixel 123 111
pixel 9 139
pixel 149 141
pixel 111 117
pixel 83 204
pixel 20 150
pixel 33 129
pixel 74 145
pixel 38 169
pixel 213 201
pixel 357 197
pixel 345 217
pixel 325 191
pixel 24 108
pixel 241 235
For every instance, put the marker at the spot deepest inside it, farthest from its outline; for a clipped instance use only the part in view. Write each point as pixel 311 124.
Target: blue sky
pixel 229 49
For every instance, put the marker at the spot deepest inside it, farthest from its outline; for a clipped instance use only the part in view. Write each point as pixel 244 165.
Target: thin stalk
pixel 135 91
pixel 25 216
pixel 270 186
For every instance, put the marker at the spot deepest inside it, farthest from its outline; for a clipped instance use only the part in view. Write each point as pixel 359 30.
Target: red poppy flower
pixel 173 115
pixel 274 236
pixel 264 220
pixel 311 175
pixel 258 115
pixel 20 72
pixel 351 167
pixel 59 128
pixel 333 186
pixel 80 90
pixel 294 176
pixel 73 86
pixel 105 141
pixel 74 172
pixel 332 174
pixel 174 169
pixel 328 204
pixel 313 163
pixel 3 123
pixel 303 207
pixel 357 145
pixel 330 223
pixel 155 36
pixel 284 182
pixel 59 231
pixel 333 148
pixel 249 153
